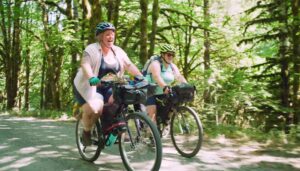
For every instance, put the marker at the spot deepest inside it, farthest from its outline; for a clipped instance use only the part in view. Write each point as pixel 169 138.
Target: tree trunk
pixel 144 37
pixel 206 36
pixel 46 46
pixel 27 64
pixel 51 66
pixel 116 13
pixel 116 17
pixel 296 60
pixel 113 13
pixel 284 86
pixel 187 46
pixel 72 14
pixel 42 89
pixel 129 33
pixel 27 76
pixel 110 10
pixel 206 57
pixel 83 24
pixel 53 72
pixel 11 49
pixel 155 14
pixel 93 15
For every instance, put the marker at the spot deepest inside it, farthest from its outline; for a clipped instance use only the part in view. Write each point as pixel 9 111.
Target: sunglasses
pixel 170 54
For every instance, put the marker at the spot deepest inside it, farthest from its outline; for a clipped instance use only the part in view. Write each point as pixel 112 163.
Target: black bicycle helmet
pixel 103 26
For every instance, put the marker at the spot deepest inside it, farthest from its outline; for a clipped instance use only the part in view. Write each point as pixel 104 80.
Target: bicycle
pixel 185 127
pixel 139 145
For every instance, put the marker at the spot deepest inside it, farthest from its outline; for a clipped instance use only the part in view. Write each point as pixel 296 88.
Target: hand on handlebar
pixel 94 81
pixel 167 90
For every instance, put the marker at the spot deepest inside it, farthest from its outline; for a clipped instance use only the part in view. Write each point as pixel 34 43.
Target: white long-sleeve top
pixel 94 56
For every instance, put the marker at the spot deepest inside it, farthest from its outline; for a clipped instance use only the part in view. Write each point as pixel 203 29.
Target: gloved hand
pixel 94 81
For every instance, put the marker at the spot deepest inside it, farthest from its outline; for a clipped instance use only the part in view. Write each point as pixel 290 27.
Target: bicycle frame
pixel 121 112
pixel 128 127
pixel 172 103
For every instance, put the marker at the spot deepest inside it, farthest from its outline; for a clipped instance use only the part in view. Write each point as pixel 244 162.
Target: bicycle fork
pixel 183 125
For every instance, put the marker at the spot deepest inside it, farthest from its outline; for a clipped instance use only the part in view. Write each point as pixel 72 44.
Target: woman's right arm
pixel 86 65
pixel 155 69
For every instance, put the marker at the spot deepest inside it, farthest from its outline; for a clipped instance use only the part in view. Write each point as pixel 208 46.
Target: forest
pixel 243 56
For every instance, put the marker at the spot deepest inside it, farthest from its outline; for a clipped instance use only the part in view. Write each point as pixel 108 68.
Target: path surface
pixel 46 145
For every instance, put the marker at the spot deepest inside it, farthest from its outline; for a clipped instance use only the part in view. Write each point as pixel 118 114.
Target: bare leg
pixel 90 115
pixel 151 110
pixel 110 100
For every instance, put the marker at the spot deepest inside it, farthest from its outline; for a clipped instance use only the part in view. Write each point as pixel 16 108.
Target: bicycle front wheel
pixel 92 152
pixel 186 131
pixel 140 146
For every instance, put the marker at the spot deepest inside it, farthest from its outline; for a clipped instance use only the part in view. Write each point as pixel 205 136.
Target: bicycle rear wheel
pixel 140 146
pixel 92 152
pixel 186 131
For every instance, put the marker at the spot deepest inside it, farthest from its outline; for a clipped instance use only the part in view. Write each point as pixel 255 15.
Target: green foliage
pixel 274 137
pixel 42 114
pixel 243 79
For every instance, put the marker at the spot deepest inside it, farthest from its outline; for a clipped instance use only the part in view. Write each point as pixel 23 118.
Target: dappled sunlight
pixel 32 144
pixel 221 153
pixel 46 142
pixel 20 119
pixel 65 147
pixel 13 139
pixel 43 146
pixel 5 128
pixel 48 126
pixel 7 159
pixel 63 135
pixel 51 137
pixel 3 147
pixel 236 155
pixel 28 150
pixel 49 154
pixel 19 163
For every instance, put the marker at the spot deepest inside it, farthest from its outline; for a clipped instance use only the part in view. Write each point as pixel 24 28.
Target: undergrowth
pixel 245 134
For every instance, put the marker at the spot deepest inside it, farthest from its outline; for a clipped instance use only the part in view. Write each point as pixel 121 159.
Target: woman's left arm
pixel 133 70
pixel 130 67
pixel 178 76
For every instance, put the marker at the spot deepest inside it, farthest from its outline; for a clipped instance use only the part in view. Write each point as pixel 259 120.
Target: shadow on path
pixel 42 145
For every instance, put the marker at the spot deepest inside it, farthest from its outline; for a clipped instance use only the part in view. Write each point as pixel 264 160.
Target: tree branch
pixel 32 33
pixel 259 6
pixel 178 26
pixel 129 34
pixel 259 38
pixel 60 9
pixel 261 21
pixel 163 12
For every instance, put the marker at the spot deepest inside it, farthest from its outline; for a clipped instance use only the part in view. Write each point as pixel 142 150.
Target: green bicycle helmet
pixel 103 26
pixel 167 48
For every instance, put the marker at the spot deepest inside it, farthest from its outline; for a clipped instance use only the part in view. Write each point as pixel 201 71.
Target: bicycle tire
pixel 94 148
pixel 135 142
pixel 183 140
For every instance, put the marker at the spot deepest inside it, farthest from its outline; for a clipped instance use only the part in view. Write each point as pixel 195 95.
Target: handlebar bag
pixel 184 92
pixel 130 94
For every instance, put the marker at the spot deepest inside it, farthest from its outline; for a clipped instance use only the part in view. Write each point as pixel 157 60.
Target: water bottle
pixel 112 137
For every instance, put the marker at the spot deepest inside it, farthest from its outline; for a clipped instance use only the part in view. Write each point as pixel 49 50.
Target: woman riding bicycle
pixel 99 60
pixel 163 72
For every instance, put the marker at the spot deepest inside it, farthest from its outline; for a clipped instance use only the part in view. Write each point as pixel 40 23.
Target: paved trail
pixel 45 145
